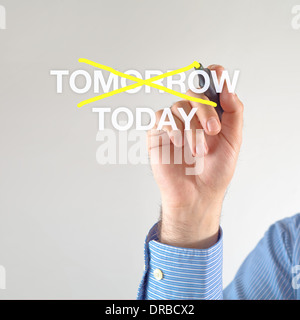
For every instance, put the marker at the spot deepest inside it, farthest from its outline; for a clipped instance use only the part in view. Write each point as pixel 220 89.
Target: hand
pixel 191 204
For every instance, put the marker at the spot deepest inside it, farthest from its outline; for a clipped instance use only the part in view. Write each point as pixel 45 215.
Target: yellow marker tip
pixel 197 64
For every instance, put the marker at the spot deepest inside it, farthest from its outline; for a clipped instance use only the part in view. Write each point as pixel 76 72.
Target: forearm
pixel 196 226
pixel 185 249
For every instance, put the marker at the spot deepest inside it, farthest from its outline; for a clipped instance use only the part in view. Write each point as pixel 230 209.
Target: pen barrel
pixel 211 92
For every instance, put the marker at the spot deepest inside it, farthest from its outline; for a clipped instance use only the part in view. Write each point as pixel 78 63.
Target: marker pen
pixel 211 92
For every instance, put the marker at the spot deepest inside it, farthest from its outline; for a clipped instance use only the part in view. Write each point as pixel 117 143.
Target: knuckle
pixel 190 93
pixel 216 67
pixel 177 105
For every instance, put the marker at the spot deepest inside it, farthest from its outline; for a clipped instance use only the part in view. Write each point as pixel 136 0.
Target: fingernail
pixel 213 125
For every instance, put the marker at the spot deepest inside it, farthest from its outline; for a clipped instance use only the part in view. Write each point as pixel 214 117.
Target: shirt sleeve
pixel 181 273
pixel 266 274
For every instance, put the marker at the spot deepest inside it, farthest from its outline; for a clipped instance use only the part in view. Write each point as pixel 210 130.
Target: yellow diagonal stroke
pixel 141 82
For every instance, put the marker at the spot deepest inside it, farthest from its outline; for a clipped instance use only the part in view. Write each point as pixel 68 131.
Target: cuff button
pixel 158 274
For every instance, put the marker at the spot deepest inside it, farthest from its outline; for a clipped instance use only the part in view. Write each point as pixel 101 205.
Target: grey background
pixel 70 228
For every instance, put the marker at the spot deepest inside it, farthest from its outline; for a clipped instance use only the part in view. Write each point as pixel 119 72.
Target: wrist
pixel 195 226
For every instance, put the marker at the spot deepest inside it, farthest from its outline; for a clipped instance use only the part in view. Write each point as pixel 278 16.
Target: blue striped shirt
pixel 271 270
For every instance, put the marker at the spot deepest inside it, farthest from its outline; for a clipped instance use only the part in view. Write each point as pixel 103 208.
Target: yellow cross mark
pixel 141 82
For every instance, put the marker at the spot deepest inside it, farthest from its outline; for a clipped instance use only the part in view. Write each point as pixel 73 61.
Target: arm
pixel 191 204
pixel 267 272
pixel 186 273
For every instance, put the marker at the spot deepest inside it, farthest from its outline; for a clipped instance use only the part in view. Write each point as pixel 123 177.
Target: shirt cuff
pixel 181 273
